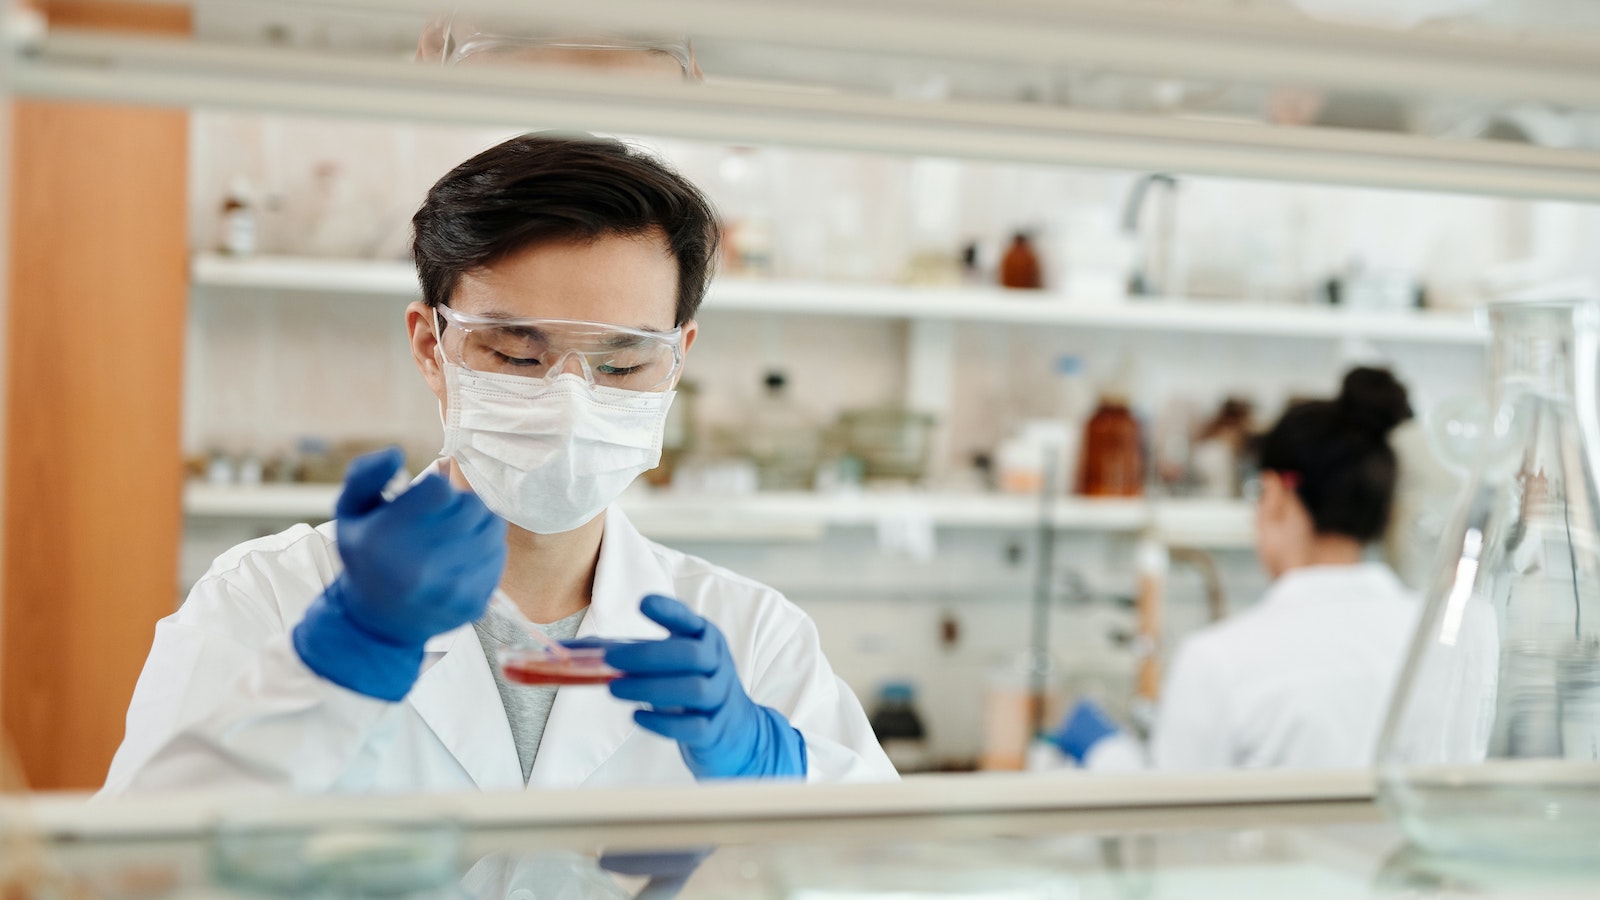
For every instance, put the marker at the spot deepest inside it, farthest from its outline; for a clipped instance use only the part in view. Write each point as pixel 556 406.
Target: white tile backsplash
pixel 268 368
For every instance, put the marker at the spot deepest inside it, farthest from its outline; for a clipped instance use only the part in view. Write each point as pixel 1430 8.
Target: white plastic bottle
pixel 238 225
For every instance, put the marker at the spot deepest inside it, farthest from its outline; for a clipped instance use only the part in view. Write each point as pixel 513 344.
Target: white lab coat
pixel 224 700
pixel 1302 680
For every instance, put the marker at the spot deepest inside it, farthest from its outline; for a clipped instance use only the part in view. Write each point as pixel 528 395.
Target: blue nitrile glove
pixel 691 684
pixel 1086 726
pixel 414 567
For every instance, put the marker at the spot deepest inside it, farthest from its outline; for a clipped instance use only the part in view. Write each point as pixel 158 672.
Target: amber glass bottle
pixel 1019 268
pixel 1112 461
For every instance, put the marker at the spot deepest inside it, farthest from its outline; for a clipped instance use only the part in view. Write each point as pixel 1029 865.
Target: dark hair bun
pixel 1373 400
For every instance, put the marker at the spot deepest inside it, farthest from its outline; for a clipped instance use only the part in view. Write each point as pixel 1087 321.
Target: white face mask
pixel 548 456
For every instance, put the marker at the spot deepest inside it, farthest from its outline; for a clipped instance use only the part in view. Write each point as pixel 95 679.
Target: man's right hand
pixel 414 567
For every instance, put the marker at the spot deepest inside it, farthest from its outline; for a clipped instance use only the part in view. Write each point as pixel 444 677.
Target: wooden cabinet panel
pixel 95 329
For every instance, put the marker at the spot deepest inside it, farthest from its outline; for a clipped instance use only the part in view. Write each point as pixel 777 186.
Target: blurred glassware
pixel 1024 460
pixel 1492 744
pixel 1174 456
pixel 1462 431
pixel 1424 503
pixel 782 438
pixel 1374 290
pixel 251 469
pixel 1022 694
pixel 1412 872
pixel 933 268
pixel 975 269
pixel 454 39
pixel 282 467
pixel 220 468
pixel 1219 449
pixel 745 201
pixel 321 461
pixel 934 221
pixel 892 444
pixel 265 853
pixel 238 219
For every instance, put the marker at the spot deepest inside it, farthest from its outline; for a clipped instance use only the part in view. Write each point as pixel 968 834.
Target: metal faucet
pixel 1143 282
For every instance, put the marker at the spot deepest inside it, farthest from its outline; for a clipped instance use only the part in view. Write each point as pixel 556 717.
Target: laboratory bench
pixel 1245 834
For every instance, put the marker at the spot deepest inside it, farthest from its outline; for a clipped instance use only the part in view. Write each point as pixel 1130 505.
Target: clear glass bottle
pixel 782 438
pixel 745 195
pixel 1492 744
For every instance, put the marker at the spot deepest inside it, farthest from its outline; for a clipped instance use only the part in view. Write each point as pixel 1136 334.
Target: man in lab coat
pixel 560 278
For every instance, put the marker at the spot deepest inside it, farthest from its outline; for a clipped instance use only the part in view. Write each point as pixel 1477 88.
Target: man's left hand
pixel 692 686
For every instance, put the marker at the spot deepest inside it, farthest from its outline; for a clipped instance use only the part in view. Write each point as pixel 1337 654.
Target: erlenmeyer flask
pixel 1492 744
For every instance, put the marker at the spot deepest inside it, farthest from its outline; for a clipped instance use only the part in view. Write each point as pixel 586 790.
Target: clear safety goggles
pixel 610 356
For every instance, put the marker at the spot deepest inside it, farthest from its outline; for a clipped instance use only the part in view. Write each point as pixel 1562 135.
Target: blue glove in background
pixel 414 567
pixel 1086 726
pixel 690 682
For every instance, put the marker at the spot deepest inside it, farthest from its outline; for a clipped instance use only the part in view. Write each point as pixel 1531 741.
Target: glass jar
pixel 1023 697
pixel 782 438
pixel 1492 744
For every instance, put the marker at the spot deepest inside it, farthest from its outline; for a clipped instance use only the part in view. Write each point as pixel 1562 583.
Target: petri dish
pixel 583 663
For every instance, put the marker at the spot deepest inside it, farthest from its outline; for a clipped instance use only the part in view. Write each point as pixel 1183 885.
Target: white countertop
pixel 1223 835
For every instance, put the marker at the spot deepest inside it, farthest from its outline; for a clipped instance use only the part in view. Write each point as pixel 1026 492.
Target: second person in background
pixel 1302 679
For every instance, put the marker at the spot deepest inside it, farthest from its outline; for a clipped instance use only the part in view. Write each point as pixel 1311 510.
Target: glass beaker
pixel 1492 744
pixel 1022 698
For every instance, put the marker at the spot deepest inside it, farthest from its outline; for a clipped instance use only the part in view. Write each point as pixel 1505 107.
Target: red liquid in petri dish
pixel 555 672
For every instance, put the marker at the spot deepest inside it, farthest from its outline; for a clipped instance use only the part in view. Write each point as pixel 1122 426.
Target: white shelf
pixel 304 273
pixel 267 501
pixel 1044 308
pixel 975 304
pixel 805 516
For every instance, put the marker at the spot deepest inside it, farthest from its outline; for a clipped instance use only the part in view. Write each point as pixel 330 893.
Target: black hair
pixel 551 187
pixel 1338 454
